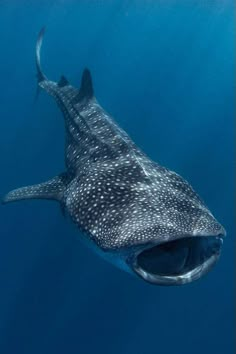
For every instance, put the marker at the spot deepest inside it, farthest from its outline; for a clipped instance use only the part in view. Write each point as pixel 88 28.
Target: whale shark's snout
pixel 179 261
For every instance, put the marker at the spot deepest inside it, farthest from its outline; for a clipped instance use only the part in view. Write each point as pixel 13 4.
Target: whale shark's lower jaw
pixel 178 262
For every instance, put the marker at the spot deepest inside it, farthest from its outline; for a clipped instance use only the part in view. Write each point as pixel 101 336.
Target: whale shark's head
pixel 178 259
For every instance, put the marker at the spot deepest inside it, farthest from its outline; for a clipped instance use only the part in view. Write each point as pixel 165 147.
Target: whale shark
pixel 135 213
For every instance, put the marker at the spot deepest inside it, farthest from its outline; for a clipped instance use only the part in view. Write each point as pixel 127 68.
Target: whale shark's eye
pixel 178 261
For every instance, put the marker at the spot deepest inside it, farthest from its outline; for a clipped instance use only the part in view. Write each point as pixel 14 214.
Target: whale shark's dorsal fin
pixel 86 88
pixel 52 189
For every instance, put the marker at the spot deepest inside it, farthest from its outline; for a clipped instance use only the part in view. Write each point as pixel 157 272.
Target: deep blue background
pixel 164 70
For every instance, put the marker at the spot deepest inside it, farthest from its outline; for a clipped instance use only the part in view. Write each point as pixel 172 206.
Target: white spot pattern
pixel 116 194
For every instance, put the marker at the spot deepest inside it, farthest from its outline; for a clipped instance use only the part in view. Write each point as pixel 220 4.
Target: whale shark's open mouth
pixel 180 261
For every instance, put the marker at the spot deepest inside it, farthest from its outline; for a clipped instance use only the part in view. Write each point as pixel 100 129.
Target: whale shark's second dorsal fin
pixel 63 81
pixel 52 189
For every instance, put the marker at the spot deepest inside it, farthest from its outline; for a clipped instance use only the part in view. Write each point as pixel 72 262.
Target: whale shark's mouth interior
pixel 179 261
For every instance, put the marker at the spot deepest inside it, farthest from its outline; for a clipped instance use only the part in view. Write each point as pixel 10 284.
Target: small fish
pixel 135 213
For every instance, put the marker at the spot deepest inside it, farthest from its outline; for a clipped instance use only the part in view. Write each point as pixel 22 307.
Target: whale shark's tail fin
pixel 40 74
pixel 85 92
pixel 52 189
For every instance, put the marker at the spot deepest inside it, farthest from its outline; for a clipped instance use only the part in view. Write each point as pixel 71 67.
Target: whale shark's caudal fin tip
pixel 40 74
pixel 52 189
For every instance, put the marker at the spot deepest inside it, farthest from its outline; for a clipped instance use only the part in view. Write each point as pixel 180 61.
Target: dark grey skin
pixel 139 215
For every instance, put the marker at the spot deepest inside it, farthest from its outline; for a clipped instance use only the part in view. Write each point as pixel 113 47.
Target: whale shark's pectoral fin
pixel 52 189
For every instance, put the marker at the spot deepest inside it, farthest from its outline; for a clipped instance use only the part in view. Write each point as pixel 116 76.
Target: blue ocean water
pixel 165 71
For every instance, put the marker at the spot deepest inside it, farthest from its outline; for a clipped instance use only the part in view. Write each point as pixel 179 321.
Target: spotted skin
pixel 116 193
pixel 112 191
